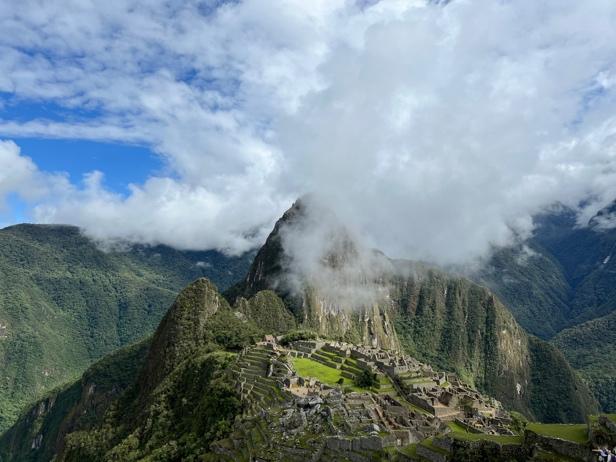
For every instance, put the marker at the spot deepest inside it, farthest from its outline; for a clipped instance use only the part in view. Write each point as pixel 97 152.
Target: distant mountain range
pixel 561 286
pixel 64 303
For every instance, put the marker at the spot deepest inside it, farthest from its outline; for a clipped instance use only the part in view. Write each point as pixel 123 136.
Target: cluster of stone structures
pixel 408 416
pixel 297 417
pixel 441 395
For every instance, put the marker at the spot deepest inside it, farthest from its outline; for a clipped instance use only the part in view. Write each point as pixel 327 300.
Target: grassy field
pixel 307 367
pixel 578 433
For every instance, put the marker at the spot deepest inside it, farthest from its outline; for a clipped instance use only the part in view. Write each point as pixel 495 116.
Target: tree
pixel 366 379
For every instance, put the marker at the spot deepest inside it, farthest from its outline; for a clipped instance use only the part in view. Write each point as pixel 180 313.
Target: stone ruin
pixel 300 418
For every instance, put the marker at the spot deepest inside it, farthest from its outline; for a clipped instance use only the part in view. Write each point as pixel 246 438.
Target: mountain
pixel 201 389
pixel 561 284
pixel 165 398
pixel 443 320
pixel 590 347
pixel 64 303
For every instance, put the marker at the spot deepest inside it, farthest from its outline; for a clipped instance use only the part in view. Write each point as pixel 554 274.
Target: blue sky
pixel 437 129
pixel 121 164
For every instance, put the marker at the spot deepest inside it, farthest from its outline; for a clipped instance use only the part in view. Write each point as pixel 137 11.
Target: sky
pixel 435 130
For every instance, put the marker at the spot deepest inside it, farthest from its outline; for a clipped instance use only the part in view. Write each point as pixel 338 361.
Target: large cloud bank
pixel 435 129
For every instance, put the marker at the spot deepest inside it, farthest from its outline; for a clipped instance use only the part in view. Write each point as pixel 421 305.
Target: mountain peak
pixel 183 330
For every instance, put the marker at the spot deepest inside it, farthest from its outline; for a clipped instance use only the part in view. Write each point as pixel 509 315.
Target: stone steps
pixel 254 362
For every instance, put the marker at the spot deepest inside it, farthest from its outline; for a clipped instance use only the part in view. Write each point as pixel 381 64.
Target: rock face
pixel 346 292
pixel 454 324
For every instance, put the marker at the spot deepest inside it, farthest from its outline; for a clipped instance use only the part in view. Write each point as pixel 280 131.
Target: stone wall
pixel 463 451
pixel 566 448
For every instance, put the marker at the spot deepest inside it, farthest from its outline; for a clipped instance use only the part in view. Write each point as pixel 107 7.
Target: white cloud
pixel 435 130
pixel 20 176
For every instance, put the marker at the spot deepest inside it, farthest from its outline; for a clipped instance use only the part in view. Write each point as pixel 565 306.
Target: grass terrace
pixel 410 450
pixel 595 418
pixel 577 433
pixel 307 367
pixel 456 427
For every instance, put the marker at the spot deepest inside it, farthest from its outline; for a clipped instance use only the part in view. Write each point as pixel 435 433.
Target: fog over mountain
pixel 432 130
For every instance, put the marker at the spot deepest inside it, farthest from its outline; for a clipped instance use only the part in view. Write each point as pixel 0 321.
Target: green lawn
pixel 578 433
pixel 307 367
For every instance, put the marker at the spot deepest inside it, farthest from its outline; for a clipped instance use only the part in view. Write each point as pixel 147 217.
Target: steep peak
pixel 310 245
pixel 183 330
pixel 267 266
pixel 330 282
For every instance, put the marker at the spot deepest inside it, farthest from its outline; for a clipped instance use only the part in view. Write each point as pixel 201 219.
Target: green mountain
pixel 561 285
pixel 200 390
pixel 440 319
pixel 561 277
pixel 64 303
pixel 590 347
pixel 166 398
